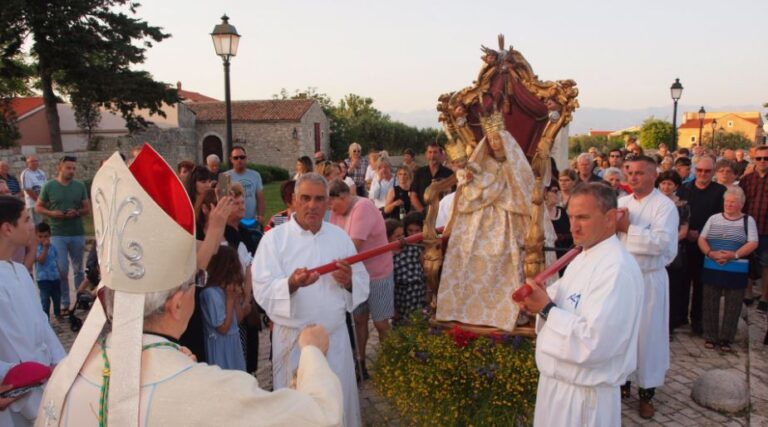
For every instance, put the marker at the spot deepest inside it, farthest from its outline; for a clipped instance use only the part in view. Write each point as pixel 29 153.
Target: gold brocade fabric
pixel 484 259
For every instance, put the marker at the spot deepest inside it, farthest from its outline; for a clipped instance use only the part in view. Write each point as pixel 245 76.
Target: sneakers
pixel 646 409
pixel 762 306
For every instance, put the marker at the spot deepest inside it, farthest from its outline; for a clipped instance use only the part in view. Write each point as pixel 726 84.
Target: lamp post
pixel 702 114
pixel 714 129
pixel 225 41
pixel 676 90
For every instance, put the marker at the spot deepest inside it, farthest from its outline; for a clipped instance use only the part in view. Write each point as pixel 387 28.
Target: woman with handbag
pixel 668 182
pixel 726 240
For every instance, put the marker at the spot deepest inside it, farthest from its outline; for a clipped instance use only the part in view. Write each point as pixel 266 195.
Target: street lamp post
pixel 702 114
pixel 714 129
pixel 676 90
pixel 225 41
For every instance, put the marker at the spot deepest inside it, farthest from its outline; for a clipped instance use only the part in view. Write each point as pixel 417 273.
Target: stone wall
pixel 265 143
pixel 88 162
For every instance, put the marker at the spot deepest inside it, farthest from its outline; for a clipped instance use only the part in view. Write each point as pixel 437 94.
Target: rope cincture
pixel 106 374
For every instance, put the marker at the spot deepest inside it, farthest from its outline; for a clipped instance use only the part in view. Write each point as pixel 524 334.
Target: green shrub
pixel 269 173
pixel 454 377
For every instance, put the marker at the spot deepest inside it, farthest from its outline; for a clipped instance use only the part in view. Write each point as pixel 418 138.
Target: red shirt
pixel 756 189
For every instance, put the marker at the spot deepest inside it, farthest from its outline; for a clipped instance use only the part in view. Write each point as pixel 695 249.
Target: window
pixel 693 138
pixel 730 123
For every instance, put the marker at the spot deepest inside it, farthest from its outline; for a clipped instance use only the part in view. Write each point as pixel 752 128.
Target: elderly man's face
pixel 585 166
pixel 310 201
pixel 704 171
pixel 33 163
pixel 739 155
pixel 213 166
pixel 238 212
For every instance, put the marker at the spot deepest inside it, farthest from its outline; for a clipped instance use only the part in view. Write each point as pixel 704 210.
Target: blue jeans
pixel 69 248
pixel 50 291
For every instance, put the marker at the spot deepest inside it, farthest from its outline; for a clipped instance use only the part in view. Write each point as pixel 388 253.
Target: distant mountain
pixel 588 117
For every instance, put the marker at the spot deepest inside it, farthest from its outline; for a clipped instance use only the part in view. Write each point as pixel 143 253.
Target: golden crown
pixel 455 150
pixel 493 123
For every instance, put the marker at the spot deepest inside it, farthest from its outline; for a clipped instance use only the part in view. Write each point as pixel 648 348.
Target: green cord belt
pixel 106 373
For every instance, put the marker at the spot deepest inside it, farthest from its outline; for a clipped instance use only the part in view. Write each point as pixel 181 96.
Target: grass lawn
pixel 271 195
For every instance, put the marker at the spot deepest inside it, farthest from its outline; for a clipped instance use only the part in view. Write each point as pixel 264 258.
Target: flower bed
pixel 455 377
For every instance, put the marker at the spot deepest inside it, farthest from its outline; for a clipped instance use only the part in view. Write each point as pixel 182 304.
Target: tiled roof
pixel 190 96
pixel 694 124
pixel 291 110
pixel 600 132
pixel 22 106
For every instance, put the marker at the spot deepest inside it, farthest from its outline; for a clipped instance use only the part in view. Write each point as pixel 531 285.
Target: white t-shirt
pixel 32 180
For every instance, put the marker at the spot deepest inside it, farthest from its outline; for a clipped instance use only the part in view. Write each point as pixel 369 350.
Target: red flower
pixel 461 337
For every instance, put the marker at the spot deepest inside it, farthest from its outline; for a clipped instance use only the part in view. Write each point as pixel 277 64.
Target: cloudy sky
pixel 403 54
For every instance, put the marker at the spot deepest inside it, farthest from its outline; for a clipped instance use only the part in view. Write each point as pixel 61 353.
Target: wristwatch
pixel 544 313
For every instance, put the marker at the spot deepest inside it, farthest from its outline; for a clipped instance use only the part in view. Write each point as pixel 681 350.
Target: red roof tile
pixel 694 124
pixel 600 132
pixel 190 96
pixel 291 110
pixel 22 106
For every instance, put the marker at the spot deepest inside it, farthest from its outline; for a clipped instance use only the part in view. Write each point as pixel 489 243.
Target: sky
pixel 404 54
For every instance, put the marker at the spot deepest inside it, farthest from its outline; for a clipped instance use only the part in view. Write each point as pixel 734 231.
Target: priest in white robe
pixel 137 374
pixel 588 320
pixel 648 230
pixel 25 334
pixel 293 298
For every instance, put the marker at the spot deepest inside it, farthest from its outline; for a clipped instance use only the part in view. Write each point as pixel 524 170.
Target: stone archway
pixel 212 145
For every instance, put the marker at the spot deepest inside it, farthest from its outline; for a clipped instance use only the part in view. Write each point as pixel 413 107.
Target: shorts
pixel 381 300
pixel 762 250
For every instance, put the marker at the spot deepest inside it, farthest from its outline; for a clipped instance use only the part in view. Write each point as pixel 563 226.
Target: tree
pixel 87 116
pixel 355 119
pixel 723 139
pixel 15 75
pixel 578 144
pixel 654 132
pixel 87 47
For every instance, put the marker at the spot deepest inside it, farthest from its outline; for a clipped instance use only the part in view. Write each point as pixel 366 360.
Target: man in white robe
pixel 588 320
pixel 138 375
pixel 293 298
pixel 648 229
pixel 25 335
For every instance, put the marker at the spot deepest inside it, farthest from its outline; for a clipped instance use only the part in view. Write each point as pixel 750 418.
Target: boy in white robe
pixel 294 298
pixel 588 320
pixel 648 229
pixel 25 335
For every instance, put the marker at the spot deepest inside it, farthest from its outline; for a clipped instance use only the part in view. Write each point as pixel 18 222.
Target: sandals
pixel 725 347
pixel 709 345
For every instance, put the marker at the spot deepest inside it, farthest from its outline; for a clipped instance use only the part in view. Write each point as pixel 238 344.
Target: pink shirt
pixel 364 222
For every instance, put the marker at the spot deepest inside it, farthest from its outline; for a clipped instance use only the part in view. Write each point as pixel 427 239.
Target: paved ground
pixel 673 402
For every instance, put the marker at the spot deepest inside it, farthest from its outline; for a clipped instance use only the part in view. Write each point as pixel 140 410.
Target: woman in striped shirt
pixel 726 241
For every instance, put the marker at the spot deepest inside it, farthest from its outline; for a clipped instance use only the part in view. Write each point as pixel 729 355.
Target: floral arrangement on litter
pixel 454 377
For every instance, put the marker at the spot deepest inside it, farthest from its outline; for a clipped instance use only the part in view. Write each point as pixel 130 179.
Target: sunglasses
pixel 761 159
pixel 238 157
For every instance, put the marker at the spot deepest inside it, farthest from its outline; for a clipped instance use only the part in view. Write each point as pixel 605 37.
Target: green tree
pixel 87 47
pixel 15 77
pixel 578 144
pixel 723 139
pixel 654 132
pixel 355 119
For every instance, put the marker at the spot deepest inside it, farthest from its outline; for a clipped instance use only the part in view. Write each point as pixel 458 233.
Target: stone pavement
pixel 674 406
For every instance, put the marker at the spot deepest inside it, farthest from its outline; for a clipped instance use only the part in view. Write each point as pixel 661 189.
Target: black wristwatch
pixel 544 313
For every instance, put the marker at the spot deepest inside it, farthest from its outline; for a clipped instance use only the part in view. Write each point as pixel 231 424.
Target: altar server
pixel 293 298
pixel 588 320
pixel 648 229
pixel 25 335
pixel 138 375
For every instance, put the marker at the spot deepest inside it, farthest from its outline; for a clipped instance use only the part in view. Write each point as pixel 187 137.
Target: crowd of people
pixel 689 226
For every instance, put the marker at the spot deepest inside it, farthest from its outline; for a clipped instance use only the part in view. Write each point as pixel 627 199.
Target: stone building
pixel 749 123
pixel 274 132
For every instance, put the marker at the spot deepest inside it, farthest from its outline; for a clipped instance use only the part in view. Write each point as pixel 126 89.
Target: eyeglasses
pixel 238 157
pixel 761 159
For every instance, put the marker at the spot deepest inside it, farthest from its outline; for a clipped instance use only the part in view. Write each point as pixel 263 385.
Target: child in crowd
pixel 46 271
pixel 410 289
pixel 224 307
